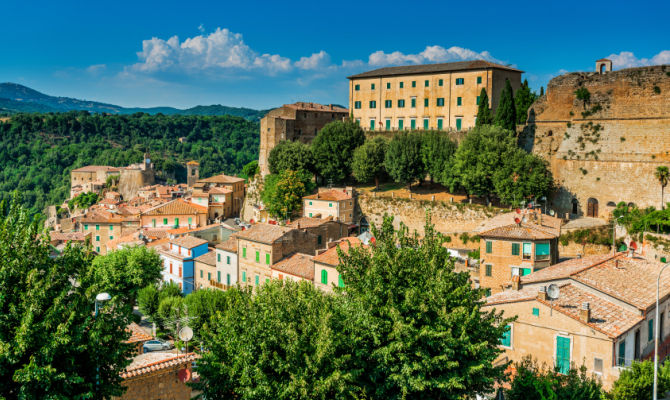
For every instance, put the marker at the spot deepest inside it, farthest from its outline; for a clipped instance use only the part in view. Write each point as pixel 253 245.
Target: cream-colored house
pixel 326 275
pixel 337 204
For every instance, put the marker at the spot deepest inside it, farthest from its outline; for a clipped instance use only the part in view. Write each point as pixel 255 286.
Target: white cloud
pixel 96 69
pixel 626 59
pixel 432 54
pixel 318 60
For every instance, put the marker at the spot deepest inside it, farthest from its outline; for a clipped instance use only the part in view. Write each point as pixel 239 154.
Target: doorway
pixel 592 208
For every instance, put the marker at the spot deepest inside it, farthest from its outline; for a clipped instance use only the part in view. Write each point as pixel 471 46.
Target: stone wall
pixel 131 180
pixel 607 149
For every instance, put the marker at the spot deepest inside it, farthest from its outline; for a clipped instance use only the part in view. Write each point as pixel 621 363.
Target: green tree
pixel 479 156
pixel 437 152
pixel 333 149
pixel 173 314
pixel 148 301
pixel 506 111
pixel 202 305
pixel 421 331
pixel 484 116
pixel 53 347
pixel 523 100
pixel 534 383
pixel 293 156
pixel 584 95
pixel 168 289
pixel 662 174
pixel 368 162
pixel 541 90
pixel 282 194
pixel 637 382
pixel 521 176
pixel 251 169
pixel 286 341
pixel 403 160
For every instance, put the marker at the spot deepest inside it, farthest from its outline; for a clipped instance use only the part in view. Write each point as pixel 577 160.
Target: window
pixel 598 365
pixel 324 276
pixel 357 88
pixel 97 238
pixel 413 83
pixel 402 85
pixel 357 104
pixel 97 249
pixel 310 203
pixel 111 228
pixel 527 251
pixel 536 311
pixel 412 123
pixel 440 82
pixel 176 222
pixel 319 239
pixel 310 215
pixel 258 279
pixel 218 276
pixel 489 247
pixel 330 204
pixel 515 249
pixel 267 259
pixel 440 101
pixel 340 282
pixel 439 124
pixel 209 276
pixel 244 276
pixel 460 81
pixel 425 123
pixel 401 103
pixel 201 273
pixel 400 124
pixel 358 121
pixel 506 339
pixel 426 83
pixel 388 85
pixel 244 252
pixel 373 104
pixel 228 279
pixel 650 330
pixel 459 101
pixel 228 260
pixel 413 102
pixel 258 256
pixel 425 102
pixel 111 237
pixel 218 257
pixel 372 124
pixel 563 354
pixel 487 292
pixel 85 227
pixel 479 80
pixel 153 222
pixel 164 221
pixel 97 227
pixel 180 271
pixel 190 220
pixel 459 124
pixel 372 86
pixel 388 103
pixel 542 251
pixel 489 270
pixel 170 267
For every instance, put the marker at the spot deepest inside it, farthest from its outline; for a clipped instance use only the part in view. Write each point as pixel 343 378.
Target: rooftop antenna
pixel 553 292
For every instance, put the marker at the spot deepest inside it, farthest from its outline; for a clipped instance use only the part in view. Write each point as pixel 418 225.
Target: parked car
pixel 156 345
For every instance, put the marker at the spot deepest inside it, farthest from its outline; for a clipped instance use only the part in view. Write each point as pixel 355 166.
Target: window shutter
pixel 324 276
pixel 489 246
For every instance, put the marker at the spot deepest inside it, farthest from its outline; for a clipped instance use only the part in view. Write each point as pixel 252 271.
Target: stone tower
pixel 192 173
pixel 603 65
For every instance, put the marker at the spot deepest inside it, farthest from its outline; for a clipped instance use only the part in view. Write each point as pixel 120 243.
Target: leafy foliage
pixel 250 170
pixel 523 100
pixel 83 201
pixel 403 159
pixel 662 174
pixel 282 194
pixel 522 176
pixel 38 151
pixel 437 152
pixel 484 116
pixel 637 382
pixel 506 111
pixel 293 156
pixel 584 95
pixel 368 162
pixel 333 149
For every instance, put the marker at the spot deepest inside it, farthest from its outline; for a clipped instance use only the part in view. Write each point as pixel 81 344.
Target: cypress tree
pixel 484 112
pixel 506 112
pixel 523 100
pixel 541 90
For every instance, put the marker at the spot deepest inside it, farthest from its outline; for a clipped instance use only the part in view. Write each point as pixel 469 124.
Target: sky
pixel 262 54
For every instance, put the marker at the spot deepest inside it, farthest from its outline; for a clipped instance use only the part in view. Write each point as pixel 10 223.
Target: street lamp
pixel 99 299
pixel 658 284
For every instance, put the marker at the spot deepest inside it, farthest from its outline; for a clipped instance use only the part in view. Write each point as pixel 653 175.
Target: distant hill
pixel 18 98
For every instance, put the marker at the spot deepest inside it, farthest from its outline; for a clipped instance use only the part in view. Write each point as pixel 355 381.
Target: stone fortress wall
pixel 605 151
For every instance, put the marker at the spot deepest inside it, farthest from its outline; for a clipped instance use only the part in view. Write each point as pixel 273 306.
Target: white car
pixel 156 345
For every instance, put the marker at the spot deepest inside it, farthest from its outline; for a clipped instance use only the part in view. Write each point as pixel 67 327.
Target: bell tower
pixel 192 173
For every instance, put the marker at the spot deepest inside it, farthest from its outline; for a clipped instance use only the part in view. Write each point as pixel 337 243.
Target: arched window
pixel 575 206
pixel 550 133
pixel 324 276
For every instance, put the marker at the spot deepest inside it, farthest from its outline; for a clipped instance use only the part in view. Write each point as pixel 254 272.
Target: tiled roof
pixel 156 233
pixel 432 69
pixel 308 222
pixel 512 296
pixel 176 207
pixel 128 238
pixel 220 190
pixel 298 264
pixel 564 269
pixel 528 231
pixel 208 258
pixel 263 233
pixel 330 195
pixel 221 179
pixel 158 242
pixel 137 334
pixel 68 236
pixel 229 245
pixel 303 106
pixel 188 241
pixel 95 168
pixel 157 361
pixel 102 216
pixel 330 256
pixel 192 162
pixel 533 218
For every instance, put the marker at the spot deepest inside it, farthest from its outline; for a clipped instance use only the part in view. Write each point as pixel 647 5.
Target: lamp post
pixel 99 299
pixel 656 324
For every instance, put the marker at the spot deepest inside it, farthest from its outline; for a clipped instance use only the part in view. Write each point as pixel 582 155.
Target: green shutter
pixel 388 124
pixel 340 282
pixel 506 339
pixel 267 259
pixel 97 238
pixel 621 360
pixel 111 238
pixel 164 221
pixel 459 124
pixel 244 276
pixel 388 85
pixel 228 279
pixel 111 228
pixel 372 86
pixel 563 354
pixel 86 227
pixel 258 279
pixel 479 79
pixel 218 257
pixel 439 124
pixel 209 276
pixel 258 256
pixel 525 271
pixel 324 276
pixel 426 83
pixel 200 273
pixel 425 123
pixel 402 85
pixel 489 270
pixel 440 82
pixel 153 222
pixel 412 124
pixel 400 124
pixel 413 101
pixel 515 249
pixel 489 246
pixel 425 102
pixel 176 222
pixel 372 124
pixel 97 227
pixel 357 87
pixel 536 311
pixel 477 100
pixel 218 276
pixel 459 101
pixel 244 252
pixel 650 330
pixel 190 220
pixel 319 239
pixel 228 260
pixel 413 83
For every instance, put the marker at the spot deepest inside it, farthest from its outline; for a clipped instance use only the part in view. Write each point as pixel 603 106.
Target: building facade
pixel 326 230
pixel 226 261
pixel 205 271
pixel 337 204
pixel 295 122
pixel 103 227
pixel 179 259
pixel 433 96
pixel 297 267
pixel 326 275
pixel 158 376
pixel 174 214
pixel 226 194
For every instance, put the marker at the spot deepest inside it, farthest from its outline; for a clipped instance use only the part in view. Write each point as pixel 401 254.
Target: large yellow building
pixel 432 96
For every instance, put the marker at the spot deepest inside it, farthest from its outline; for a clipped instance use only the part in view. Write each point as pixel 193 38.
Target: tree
pixel 282 194
pixel 506 111
pixel 202 305
pixel 286 341
pixel 484 116
pixel 541 90
pixel 479 156
pixel 168 289
pixel 53 347
pixel 534 383
pixel 251 169
pixel 403 160
pixel 421 331
pixel 333 149
pixel 637 382
pixel 584 95
pixel 521 176
pixel 523 100
pixel 368 162
pixel 662 174
pixel 173 313
pixel 437 152
pixel 148 301
pixel 288 155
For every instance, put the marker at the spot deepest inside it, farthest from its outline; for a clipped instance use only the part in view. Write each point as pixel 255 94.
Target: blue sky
pixel 263 54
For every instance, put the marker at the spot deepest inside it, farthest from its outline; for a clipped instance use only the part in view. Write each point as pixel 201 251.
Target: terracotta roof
pixel 432 69
pixel 512 296
pixel 309 222
pixel 102 216
pixel 221 179
pixel 156 233
pixel 220 190
pixel 229 245
pixel 564 269
pixel 330 195
pixel 188 241
pixel 176 207
pixel 303 106
pixel 298 264
pixel 68 236
pixel 137 334
pixel 263 233
pixel 158 242
pixel 208 258
pixel 157 361
pixel 192 162
pixel 128 238
pixel 331 257
pixel 527 231
pixel 109 201
pixel 604 59
pixel 532 217
pixel 95 168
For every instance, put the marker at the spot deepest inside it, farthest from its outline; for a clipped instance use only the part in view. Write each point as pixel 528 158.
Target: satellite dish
pixel 524 219
pixel 184 375
pixel 185 334
pixel 552 212
pixel 518 211
pixel 517 220
pixel 553 291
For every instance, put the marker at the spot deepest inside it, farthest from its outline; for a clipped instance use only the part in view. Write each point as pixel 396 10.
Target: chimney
pixel 331 244
pixel 585 312
pixel 516 282
pixel 542 295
